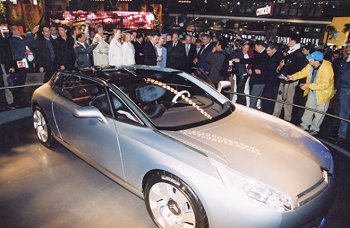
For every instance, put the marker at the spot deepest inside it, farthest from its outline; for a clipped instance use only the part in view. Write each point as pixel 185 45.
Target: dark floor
pixel 42 187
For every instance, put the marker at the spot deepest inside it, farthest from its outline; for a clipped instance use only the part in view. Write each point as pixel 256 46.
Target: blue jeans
pixel 344 111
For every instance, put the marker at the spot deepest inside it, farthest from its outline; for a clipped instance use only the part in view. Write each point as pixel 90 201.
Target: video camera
pixel 5 32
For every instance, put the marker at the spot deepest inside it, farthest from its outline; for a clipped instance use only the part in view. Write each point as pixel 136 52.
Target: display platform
pixel 42 187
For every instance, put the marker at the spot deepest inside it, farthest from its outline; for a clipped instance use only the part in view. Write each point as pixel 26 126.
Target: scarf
pixel 294 48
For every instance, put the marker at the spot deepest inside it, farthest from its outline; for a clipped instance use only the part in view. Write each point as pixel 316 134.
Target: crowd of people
pixel 293 73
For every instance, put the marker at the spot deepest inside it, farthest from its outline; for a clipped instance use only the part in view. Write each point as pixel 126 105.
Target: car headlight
pixel 254 189
pixel 267 196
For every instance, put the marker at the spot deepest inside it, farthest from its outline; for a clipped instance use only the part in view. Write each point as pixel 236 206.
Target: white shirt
pixel 128 54
pixel 115 55
pixel 187 48
pixel 204 48
pixel 84 45
pixel 101 52
pixel 159 50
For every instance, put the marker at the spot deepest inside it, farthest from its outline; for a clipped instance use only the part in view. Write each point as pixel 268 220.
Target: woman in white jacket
pixel 115 54
pixel 128 50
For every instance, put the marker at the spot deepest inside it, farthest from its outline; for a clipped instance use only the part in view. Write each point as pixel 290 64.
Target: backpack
pixel 226 69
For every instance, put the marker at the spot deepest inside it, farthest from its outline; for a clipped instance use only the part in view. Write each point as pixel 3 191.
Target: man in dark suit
pixel 259 71
pixel 203 53
pixel 18 49
pixel 82 51
pixel 175 53
pixel 190 54
pixel 139 46
pixel 45 54
pixel 150 51
pixel 6 63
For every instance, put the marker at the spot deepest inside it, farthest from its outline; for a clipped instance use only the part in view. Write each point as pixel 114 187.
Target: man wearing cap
pixel 319 88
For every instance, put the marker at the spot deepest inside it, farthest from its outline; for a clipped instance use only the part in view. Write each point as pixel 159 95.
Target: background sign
pixel 265 11
pixel 338 36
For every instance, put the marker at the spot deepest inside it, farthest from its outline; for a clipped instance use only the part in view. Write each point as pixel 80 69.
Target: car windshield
pixel 175 100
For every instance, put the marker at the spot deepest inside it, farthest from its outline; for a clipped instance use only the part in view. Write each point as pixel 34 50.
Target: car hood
pixel 262 147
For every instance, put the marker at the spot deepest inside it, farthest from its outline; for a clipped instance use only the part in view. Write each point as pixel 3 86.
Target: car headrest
pixel 154 110
pixel 149 93
pixel 83 91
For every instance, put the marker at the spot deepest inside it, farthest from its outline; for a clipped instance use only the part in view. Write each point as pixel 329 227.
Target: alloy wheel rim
pixel 40 126
pixel 170 207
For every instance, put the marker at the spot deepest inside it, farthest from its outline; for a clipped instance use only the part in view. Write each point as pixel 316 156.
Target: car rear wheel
pixel 42 129
pixel 172 203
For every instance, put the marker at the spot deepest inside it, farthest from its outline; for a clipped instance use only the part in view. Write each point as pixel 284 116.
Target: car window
pixel 121 112
pixel 172 101
pixel 85 92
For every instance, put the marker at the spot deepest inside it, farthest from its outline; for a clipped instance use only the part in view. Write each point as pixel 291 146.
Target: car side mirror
pixel 90 112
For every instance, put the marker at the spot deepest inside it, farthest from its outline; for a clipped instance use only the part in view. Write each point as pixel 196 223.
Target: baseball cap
pixel 317 55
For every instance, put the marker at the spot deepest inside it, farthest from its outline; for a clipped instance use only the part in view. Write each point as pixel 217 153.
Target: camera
pixel 283 77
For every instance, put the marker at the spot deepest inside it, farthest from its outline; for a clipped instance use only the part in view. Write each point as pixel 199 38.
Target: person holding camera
pixel 319 89
pixel 216 59
pixel 82 51
pixel 294 62
pixel 19 50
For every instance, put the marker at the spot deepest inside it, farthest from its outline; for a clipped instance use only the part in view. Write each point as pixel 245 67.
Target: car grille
pixel 312 192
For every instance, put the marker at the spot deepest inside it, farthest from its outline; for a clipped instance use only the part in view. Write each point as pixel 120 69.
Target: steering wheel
pixel 179 94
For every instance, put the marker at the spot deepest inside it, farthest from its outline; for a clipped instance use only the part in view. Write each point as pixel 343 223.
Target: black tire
pixel 201 220
pixel 48 141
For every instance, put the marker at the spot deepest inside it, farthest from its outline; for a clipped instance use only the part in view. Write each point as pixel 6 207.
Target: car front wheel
pixel 42 129
pixel 172 203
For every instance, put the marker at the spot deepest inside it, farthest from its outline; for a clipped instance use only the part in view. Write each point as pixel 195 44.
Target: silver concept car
pixel 195 158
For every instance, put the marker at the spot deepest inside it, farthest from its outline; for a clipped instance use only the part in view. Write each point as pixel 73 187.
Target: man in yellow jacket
pixel 319 88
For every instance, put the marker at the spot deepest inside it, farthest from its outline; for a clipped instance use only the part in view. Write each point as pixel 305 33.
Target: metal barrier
pixel 20 86
pixel 286 103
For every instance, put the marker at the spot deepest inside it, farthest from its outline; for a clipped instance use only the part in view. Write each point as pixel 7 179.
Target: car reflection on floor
pixel 40 187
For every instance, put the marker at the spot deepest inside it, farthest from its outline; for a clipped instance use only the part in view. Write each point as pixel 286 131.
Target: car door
pixel 91 138
pixel 134 136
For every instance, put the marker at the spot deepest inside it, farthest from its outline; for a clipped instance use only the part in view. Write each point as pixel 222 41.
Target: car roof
pixel 122 73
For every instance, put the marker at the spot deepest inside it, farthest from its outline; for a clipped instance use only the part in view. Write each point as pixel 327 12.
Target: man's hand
pixel 11 70
pixel 257 71
pixel 95 40
pixel 304 86
pixel 289 78
pixel 62 68
pixel 236 60
pixel 35 29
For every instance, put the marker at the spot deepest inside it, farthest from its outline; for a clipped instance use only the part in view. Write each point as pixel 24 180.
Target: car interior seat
pixel 148 96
